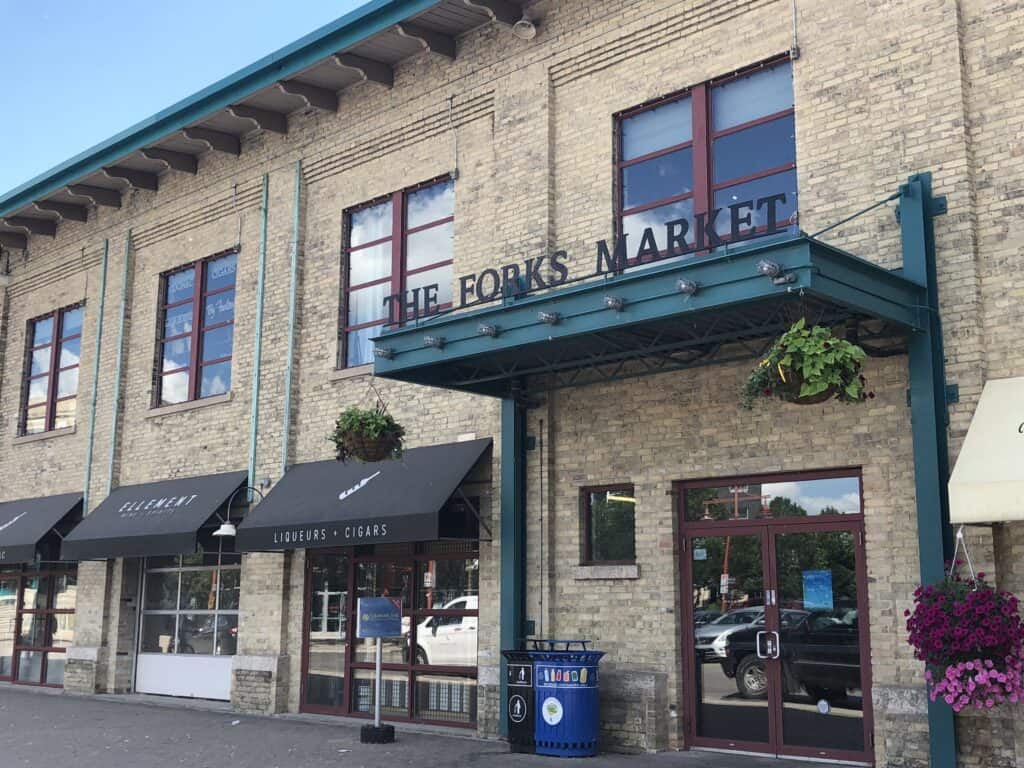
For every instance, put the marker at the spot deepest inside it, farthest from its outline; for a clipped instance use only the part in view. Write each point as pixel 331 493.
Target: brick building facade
pixel 527 129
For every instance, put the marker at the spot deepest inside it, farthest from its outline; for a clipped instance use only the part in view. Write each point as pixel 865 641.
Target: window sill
pixel 191 405
pixel 598 572
pixel 350 373
pixel 44 435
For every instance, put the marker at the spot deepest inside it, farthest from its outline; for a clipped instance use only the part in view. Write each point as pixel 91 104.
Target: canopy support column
pixel 513 536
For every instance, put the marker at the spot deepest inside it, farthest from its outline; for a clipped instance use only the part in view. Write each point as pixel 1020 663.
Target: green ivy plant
pixel 355 425
pixel 808 363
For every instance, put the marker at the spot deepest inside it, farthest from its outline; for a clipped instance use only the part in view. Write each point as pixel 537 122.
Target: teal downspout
pixel 293 287
pixel 254 413
pixel 513 537
pixel 117 363
pixel 95 378
pixel 917 207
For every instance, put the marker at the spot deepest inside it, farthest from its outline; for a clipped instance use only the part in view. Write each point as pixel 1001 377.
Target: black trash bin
pixel 521 703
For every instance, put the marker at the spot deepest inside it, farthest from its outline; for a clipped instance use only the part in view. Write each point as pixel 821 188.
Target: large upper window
pixel 688 158
pixel 197 309
pixel 51 381
pixel 397 264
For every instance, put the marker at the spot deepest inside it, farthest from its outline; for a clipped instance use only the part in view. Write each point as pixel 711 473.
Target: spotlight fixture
pixel 226 529
pixel 524 29
pixel 687 287
pixel 437 342
pixel 768 268
pixel 615 302
pixel 386 353
pixel 551 318
pixel 487 330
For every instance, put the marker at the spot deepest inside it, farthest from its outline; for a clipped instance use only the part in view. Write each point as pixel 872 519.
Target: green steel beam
pixel 513 537
pixel 928 418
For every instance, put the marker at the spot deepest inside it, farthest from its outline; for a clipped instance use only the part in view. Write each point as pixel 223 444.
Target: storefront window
pixel 37 623
pixel 817 495
pixel 51 371
pixel 609 520
pixel 191 601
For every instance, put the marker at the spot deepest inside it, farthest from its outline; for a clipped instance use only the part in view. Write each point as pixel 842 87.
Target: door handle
pixel 778 645
pixel 757 645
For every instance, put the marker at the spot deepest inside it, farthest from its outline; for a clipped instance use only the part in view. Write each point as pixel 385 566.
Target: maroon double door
pixel 776 654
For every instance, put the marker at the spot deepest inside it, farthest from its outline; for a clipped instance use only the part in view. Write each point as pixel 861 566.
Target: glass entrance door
pixel 775 639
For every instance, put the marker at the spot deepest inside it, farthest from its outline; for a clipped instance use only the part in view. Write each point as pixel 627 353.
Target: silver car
pixel 711 637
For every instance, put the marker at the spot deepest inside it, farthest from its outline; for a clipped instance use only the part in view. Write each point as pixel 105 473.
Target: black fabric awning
pixel 26 522
pixel 151 519
pixel 330 504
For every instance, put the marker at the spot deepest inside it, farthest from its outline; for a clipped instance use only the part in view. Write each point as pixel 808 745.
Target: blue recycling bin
pixel 567 712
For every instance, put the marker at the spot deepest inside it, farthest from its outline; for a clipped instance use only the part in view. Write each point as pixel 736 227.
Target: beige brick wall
pixel 882 90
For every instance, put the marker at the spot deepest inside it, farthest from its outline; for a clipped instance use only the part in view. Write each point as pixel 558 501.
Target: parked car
pixel 711 636
pixel 820 652
pixel 449 640
pixel 702 616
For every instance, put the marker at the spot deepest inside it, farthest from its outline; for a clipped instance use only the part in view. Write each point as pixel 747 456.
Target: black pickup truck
pixel 820 652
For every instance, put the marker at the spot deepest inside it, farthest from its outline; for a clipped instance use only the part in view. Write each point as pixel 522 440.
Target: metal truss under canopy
pixel 665 317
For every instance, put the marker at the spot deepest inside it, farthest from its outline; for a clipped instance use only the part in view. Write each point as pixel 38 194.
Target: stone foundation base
pixel 259 684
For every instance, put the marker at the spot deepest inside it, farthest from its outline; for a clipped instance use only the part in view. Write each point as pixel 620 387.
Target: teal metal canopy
pixel 651 320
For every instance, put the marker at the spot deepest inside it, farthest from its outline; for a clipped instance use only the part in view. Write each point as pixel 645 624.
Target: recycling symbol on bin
pixel 551 710
pixel 517 708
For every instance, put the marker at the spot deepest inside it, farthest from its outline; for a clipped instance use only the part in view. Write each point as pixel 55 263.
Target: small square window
pixel 609 525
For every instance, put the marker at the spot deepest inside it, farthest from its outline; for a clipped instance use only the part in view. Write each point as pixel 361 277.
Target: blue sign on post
pixel 378 617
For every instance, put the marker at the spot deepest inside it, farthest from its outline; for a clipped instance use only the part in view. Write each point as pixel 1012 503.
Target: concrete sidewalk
pixel 46 728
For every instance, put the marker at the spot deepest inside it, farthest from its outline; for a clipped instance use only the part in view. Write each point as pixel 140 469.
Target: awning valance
pixel 987 484
pixel 26 522
pixel 330 504
pixel 161 518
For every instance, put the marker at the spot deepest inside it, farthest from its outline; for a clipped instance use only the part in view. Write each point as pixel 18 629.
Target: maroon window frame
pixel 586 510
pixel 52 418
pixel 196 332
pixel 399 274
pixel 702 146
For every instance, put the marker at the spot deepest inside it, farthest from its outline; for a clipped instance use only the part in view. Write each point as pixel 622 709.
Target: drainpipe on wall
pixel 294 277
pixel 254 413
pixel 125 271
pixel 95 378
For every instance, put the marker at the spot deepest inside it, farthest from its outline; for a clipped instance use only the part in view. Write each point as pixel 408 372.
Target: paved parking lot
pixel 42 728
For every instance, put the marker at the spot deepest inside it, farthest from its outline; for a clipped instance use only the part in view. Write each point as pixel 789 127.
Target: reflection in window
pixel 53 348
pixel 609 521
pixel 743 500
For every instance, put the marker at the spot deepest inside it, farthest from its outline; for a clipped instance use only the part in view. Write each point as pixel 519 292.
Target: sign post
pixel 378 617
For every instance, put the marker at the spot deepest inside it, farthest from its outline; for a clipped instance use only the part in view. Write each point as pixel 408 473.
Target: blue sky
pixel 79 72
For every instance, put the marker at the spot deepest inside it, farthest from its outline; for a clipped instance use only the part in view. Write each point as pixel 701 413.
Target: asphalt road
pixel 38 728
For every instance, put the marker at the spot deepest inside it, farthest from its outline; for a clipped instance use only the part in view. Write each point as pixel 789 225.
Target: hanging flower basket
pixel 971 638
pixel 367 434
pixel 807 366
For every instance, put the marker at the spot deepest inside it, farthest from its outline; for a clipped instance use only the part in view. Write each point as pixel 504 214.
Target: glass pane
pixel 65 590
pixel 181 285
pixel 394 650
pixel 430 204
pixel 429 246
pixel 8 607
pixel 441 582
pixel 35 420
pixel 220 273
pixel 33 629
pixel 369 264
pixel 359 348
pixel 651 180
pixel 30 666
pixel 633 227
pixel 759 189
pixel 198 591
pixel 796 498
pixel 448 641
pixel 161 591
pixel 446 699
pixel 441 277
pixel 370 224
pixel 756 149
pixel 728 586
pixel 216 379
pixel 177 353
pixel 54 669
pixel 71 322
pixel 820 644
pixel 748 98
pixel 62 625
pixel 163 561
pixel 230 589
pixel 328 584
pixel 219 308
pixel 34 592
pixel 178 320
pixel 41 361
pixel 70 353
pixel 67 383
pixel 157 634
pixel 385 580
pixel 42 332
pixel 657 128
pixel 394 698
pixel 367 304
pixel 174 388
pixel 217 343
pixel 65 413
pixel 227 634
pixel 38 389
pixel 196 633
pixel 612 516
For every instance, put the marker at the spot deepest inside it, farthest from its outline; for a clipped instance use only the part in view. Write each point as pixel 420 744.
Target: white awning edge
pixel 987 484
